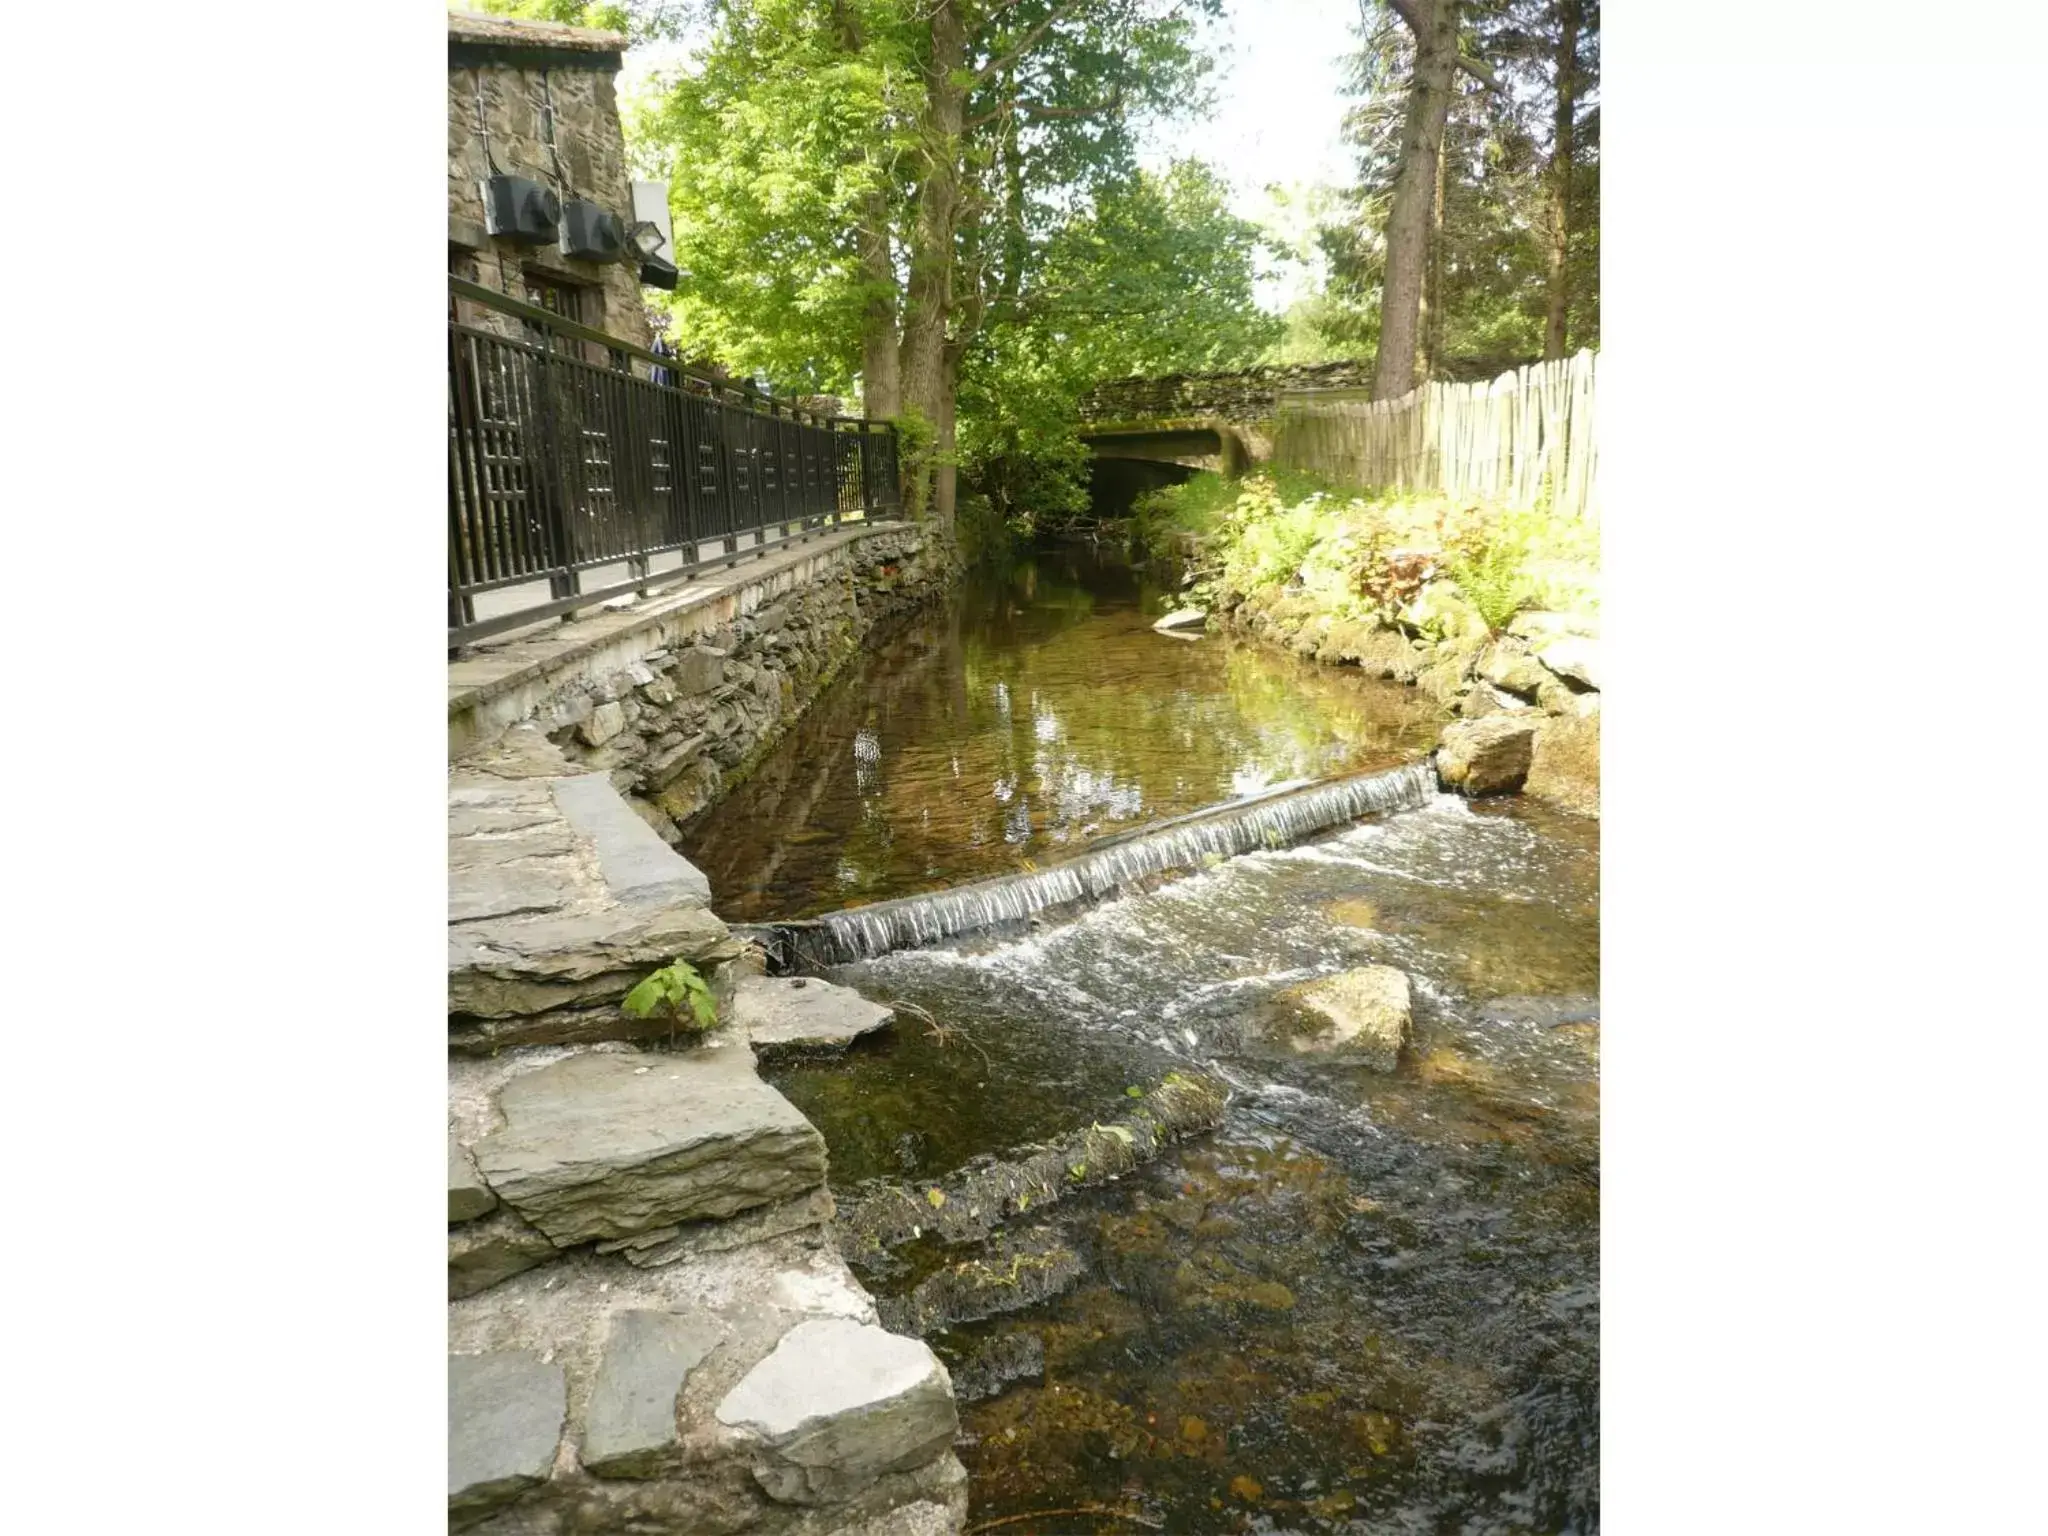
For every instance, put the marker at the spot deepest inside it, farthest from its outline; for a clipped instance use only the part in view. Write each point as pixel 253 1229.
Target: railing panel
pixel 570 450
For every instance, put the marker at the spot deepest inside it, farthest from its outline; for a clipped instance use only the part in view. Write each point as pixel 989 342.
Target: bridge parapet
pixel 1252 395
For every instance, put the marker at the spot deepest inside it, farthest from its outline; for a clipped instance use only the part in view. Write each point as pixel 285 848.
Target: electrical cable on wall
pixel 547 94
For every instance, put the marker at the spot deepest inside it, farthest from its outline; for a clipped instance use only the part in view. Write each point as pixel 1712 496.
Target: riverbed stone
pixel 801 1013
pixel 1184 618
pixel 837 1404
pixel 1489 756
pixel 505 1413
pixel 1366 1011
pixel 608 1145
pixel 468 1195
pixel 630 1419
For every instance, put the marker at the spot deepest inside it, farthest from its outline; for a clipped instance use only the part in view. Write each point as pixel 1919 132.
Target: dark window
pixel 572 301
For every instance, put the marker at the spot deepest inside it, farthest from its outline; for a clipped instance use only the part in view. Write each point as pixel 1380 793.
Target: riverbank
pixel 1485 611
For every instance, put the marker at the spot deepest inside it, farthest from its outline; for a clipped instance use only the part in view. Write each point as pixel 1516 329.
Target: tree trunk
pixel 880 383
pixel 1569 15
pixel 931 254
pixel 1432 320
pixel 1408 220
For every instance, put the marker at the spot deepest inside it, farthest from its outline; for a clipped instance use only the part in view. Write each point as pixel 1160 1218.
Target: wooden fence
pixel 1525 438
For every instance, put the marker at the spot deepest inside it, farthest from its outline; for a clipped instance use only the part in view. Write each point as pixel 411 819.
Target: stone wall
pixel 692 712
pixel 1250 396
pixel 518 67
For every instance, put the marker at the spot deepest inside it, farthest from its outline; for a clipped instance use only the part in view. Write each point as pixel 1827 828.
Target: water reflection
pixel 1040 711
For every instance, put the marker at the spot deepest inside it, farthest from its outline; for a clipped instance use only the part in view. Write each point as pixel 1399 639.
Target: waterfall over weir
pixel 1273 819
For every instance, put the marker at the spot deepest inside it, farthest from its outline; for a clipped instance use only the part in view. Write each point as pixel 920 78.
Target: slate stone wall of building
pixel 681 725
pixel 499 61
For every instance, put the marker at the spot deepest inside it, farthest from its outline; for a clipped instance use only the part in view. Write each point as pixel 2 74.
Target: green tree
pixel 1155 275
pixel 860 180
pixel 1516 182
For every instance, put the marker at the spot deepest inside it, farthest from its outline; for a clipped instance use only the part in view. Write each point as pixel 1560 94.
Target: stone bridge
pixel 1145 433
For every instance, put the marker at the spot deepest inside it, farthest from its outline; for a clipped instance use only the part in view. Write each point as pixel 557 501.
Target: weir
pixel 1272 819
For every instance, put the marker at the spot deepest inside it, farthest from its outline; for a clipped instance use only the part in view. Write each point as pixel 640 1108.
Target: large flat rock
pixel 630 1419
pixel 560 899
pixel 837 1404
pixel 505 1413
pixel 610 1145
pixel 801 1013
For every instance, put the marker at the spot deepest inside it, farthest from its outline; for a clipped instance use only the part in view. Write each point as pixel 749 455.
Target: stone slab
pixel 1183 618
pixel 636 866
pixel 485 1252
pixel 803 1013
pixel 837 1404
pixel 468 1195
pixel 631 1416
pixel 665 1245
pixel 505 1414
pixel 610 1145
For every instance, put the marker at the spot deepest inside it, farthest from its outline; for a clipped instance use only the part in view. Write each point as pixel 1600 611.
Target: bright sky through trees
pixel 1279 109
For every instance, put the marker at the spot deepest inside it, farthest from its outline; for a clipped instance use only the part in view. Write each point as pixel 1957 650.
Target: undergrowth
pixel 1432 563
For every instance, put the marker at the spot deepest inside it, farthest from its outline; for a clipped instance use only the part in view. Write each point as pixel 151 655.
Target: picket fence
pixel 1527 438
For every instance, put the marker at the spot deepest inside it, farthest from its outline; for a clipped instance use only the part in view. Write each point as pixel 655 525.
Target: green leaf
pixel 935 1198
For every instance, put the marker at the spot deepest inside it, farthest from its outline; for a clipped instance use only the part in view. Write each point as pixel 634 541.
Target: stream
pixel 1368 1302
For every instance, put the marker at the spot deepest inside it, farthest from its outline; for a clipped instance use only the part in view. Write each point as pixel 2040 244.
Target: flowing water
pixel 1368 1302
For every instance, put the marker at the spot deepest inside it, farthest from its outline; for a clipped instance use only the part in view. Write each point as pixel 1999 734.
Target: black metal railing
pixel 582 467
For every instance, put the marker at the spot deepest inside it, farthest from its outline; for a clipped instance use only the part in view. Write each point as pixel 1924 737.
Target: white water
pixel 1268 822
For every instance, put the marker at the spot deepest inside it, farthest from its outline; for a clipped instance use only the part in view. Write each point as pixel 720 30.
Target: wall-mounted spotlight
pixel 651 236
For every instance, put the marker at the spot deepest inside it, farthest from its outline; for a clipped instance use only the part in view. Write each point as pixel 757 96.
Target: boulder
pixel 1184 618
pixel 630 1419
pixel 1537 625
pixel 1511 668
pixel 1489 756
pixel 838 1403
pixel 609 1145
pixel 798 1013
pixel 1484 699
pixel 1575 658
pixel 468 1195
pixel 1366 1010
pixel 1564 765
pixel 505 1412
pixel 1374 649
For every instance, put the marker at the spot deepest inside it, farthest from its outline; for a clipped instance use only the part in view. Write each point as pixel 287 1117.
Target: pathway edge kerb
pixel 686 599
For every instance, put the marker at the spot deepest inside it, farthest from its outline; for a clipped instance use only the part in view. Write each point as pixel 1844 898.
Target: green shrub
pixel 675 989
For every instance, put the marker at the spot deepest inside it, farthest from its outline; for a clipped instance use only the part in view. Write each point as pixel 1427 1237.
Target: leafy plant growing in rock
pixel 676 990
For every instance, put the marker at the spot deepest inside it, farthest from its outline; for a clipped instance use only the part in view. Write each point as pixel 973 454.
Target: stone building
pixel 536 100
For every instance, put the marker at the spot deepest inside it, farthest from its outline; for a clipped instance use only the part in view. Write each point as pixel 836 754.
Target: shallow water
pixel 1368 1302
pixel 1038 712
